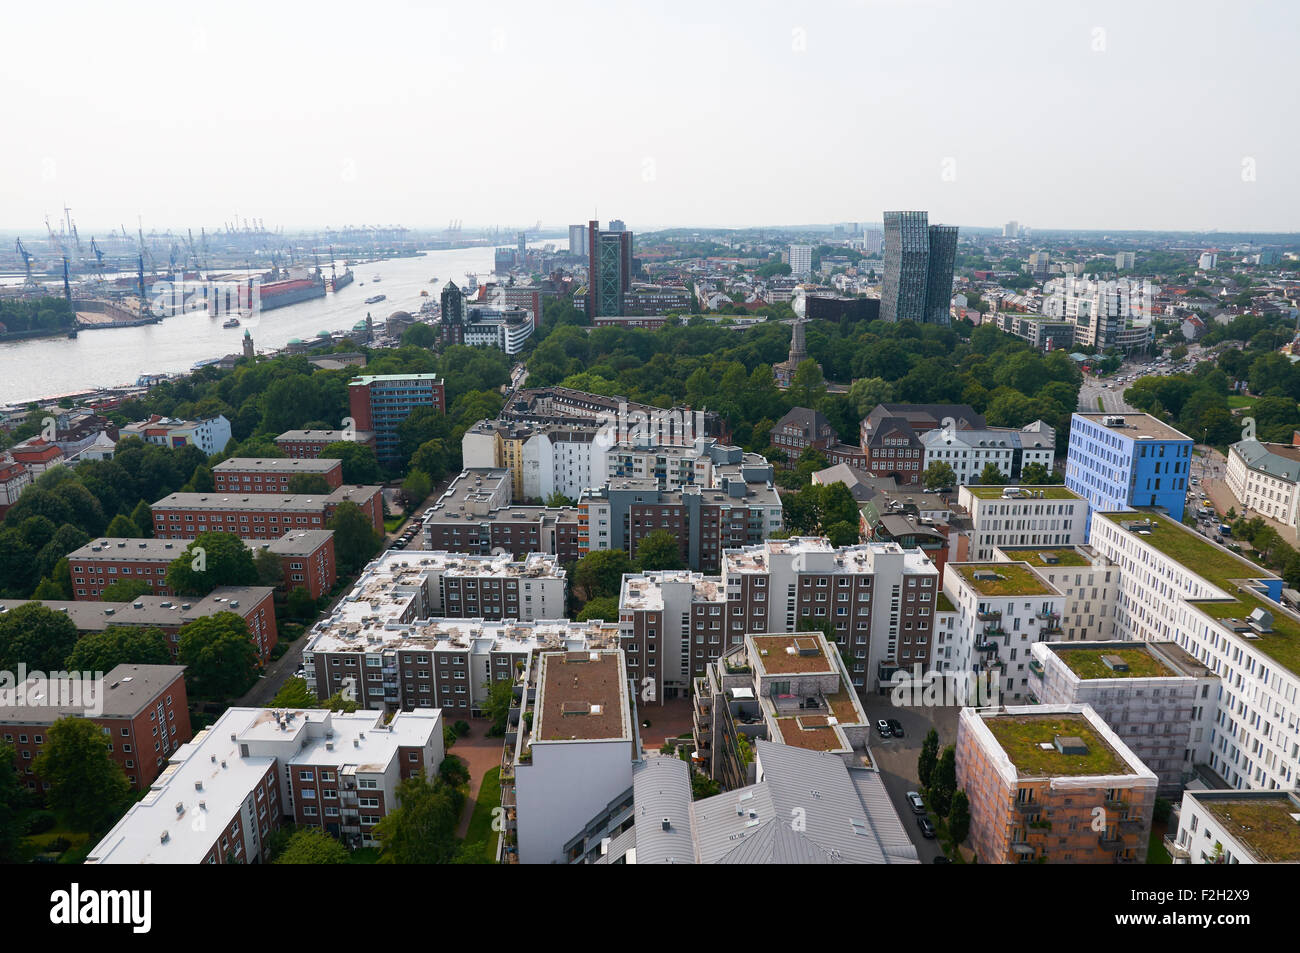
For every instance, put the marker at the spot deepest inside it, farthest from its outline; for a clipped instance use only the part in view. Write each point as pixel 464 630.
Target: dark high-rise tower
pixel 453 314
pixel 919 260
pixel 609 270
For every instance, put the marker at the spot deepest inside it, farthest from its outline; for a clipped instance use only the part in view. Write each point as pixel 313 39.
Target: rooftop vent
pixel 1069 744
pixel 1261 620
pixel 1115 663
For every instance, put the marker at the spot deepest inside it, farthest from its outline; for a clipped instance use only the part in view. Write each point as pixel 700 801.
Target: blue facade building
pixel 1119 461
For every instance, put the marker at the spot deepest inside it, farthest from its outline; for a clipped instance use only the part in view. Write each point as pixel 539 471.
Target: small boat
pixel 232 323
pixel 433 281
pixel 376 278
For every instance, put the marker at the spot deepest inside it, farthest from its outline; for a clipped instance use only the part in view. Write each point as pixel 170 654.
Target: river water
pixel 48 367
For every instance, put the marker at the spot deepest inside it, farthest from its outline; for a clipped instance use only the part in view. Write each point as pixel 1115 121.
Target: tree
pixel 125 590
pixel 309 483
pixel 600 573
pixel 659 550
pixel 211 560
pixel 300 604
pixel 928 758
pixel 703 786
pixel 338 702
pixel 416 487
pixel 959 818
pixel 35 636
pixel 422 830
pixel 360 465
pixel 500 699
pixel 295 694
pixel 355 539
pixel 122 526
pixel 559 499
pixel 270 569
pixel 419 335
pixel 119 645
pixel 842 533
pixel 991 475
pixel 866 392
pixel 1035 474
pixel 142 518
pixel 310 846
pixel 88 789
pixel 938 476
pixel 606 608
pixel 221 661
pixel 12 801
pixel 944 782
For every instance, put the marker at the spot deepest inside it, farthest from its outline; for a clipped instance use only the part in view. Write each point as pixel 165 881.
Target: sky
pixel 1143 114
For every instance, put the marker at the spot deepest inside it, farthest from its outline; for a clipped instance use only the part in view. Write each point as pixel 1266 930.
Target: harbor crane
pixel 29 281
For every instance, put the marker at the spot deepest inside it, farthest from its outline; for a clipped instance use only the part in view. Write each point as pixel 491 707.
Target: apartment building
pixel 1046 517
pixel 1039 779
pixel 968 452
pixel 475 516
pixel 791 689
pixel 1088 582
pixel 209 434
pixel 1156 697
pixel 143 710
pixel 380 402
pixel 259 515
pixel 256 769
pixel 655 820
pixel 272 474
pixel 306 557
pixel 891 436
pixel 443 663
pixel 576 720
pixel 1237 827
pixel 254 604
pixel 301 444
pixel 14 478
pixel 1263 477
pixel 678 426
pixel 1175 585
pixel 802 428
pixel 1044 333
pixel 1000 610
pixel 1119 461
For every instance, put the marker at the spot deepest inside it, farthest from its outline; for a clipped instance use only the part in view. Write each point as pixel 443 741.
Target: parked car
pixel 927 829
pixel 883 728
pixel 914 799
pixel 896 727
pixel 941 860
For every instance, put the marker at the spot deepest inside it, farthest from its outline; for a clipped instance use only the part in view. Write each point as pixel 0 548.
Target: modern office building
pixel 577 239
pixel 381 402
pixel 609 269
pixel 1119 461
pixel 1037 777
pixel 1046 516
pixel 919 260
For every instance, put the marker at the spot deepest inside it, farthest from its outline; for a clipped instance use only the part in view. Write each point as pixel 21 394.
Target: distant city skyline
pixel 1160 116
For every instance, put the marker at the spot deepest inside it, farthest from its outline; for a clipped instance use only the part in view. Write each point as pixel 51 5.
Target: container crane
pixel 28 282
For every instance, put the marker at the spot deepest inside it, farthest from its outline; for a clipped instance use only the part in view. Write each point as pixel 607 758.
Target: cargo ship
pixel 277 294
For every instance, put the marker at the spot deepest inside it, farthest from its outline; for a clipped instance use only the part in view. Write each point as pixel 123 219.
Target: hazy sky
pixel 1130 114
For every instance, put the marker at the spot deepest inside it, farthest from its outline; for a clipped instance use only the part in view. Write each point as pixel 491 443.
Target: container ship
pixel 278 294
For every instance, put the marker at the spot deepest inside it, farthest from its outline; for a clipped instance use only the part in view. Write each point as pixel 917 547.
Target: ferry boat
pixel 375 299
pixel 232 323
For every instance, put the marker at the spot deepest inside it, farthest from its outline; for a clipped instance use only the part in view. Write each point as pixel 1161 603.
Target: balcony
pixel 1036 667
pixel 1029 807
pixel 986 646
pixel 993 615
pixel 1177 852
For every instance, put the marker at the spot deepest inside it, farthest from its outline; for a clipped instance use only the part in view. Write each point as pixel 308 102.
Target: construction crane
pixel 29 282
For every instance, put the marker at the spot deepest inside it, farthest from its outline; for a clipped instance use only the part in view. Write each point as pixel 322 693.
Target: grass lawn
pixel 1156 853
pixel 1065 556
pixel 392 522
pixel 364 855
pixel 1100 405
pixel 1021 735
pixel 80 844
pixel 1237 401
pixel 1087 663
pixel 1016 580
pixel 480 832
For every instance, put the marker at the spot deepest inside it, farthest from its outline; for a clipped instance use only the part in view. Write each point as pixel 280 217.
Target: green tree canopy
pixel 35 636
pixel 310 846
pixel 119 645
pixel 211 560
pixel 220 658
pixel 659 550
pixel 355 539
pixel 88 789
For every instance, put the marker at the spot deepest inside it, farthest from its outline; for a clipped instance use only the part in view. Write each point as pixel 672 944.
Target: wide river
pixel 47 367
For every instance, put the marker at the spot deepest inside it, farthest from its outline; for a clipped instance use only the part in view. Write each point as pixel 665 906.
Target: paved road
pixel 1112 398
pixel 896 758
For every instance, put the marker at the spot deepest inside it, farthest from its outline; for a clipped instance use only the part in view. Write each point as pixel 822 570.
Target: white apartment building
pixel 1237 827
pixel 801 260
pixel 969 451
pixel 1176 585
pixel 1090 585
pixel 504 328
pixel 1000 610
pixel 1039 516
pixel 1264 479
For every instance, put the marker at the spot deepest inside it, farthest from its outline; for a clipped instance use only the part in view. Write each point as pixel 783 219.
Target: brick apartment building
pixel 308 444
pixel 272 474
pixel 254 604
pixel 380 402
pixel 143 711
pixel 306 556
pixel 259 768
pixel 258 515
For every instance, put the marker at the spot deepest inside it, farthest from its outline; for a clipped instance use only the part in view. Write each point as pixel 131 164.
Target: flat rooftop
pixel 294 502
pixel 1138 426
pixel 582 696
pixel 327 436
pixel 1022 738
pixel 279 464
pixel 1046 491
pixel 122 693
pixel 1047 557
pixel 343 634
pixel 1008 579
pixel 1265 825
pixel 802 653
pixel 1086 661
pixel 162 612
